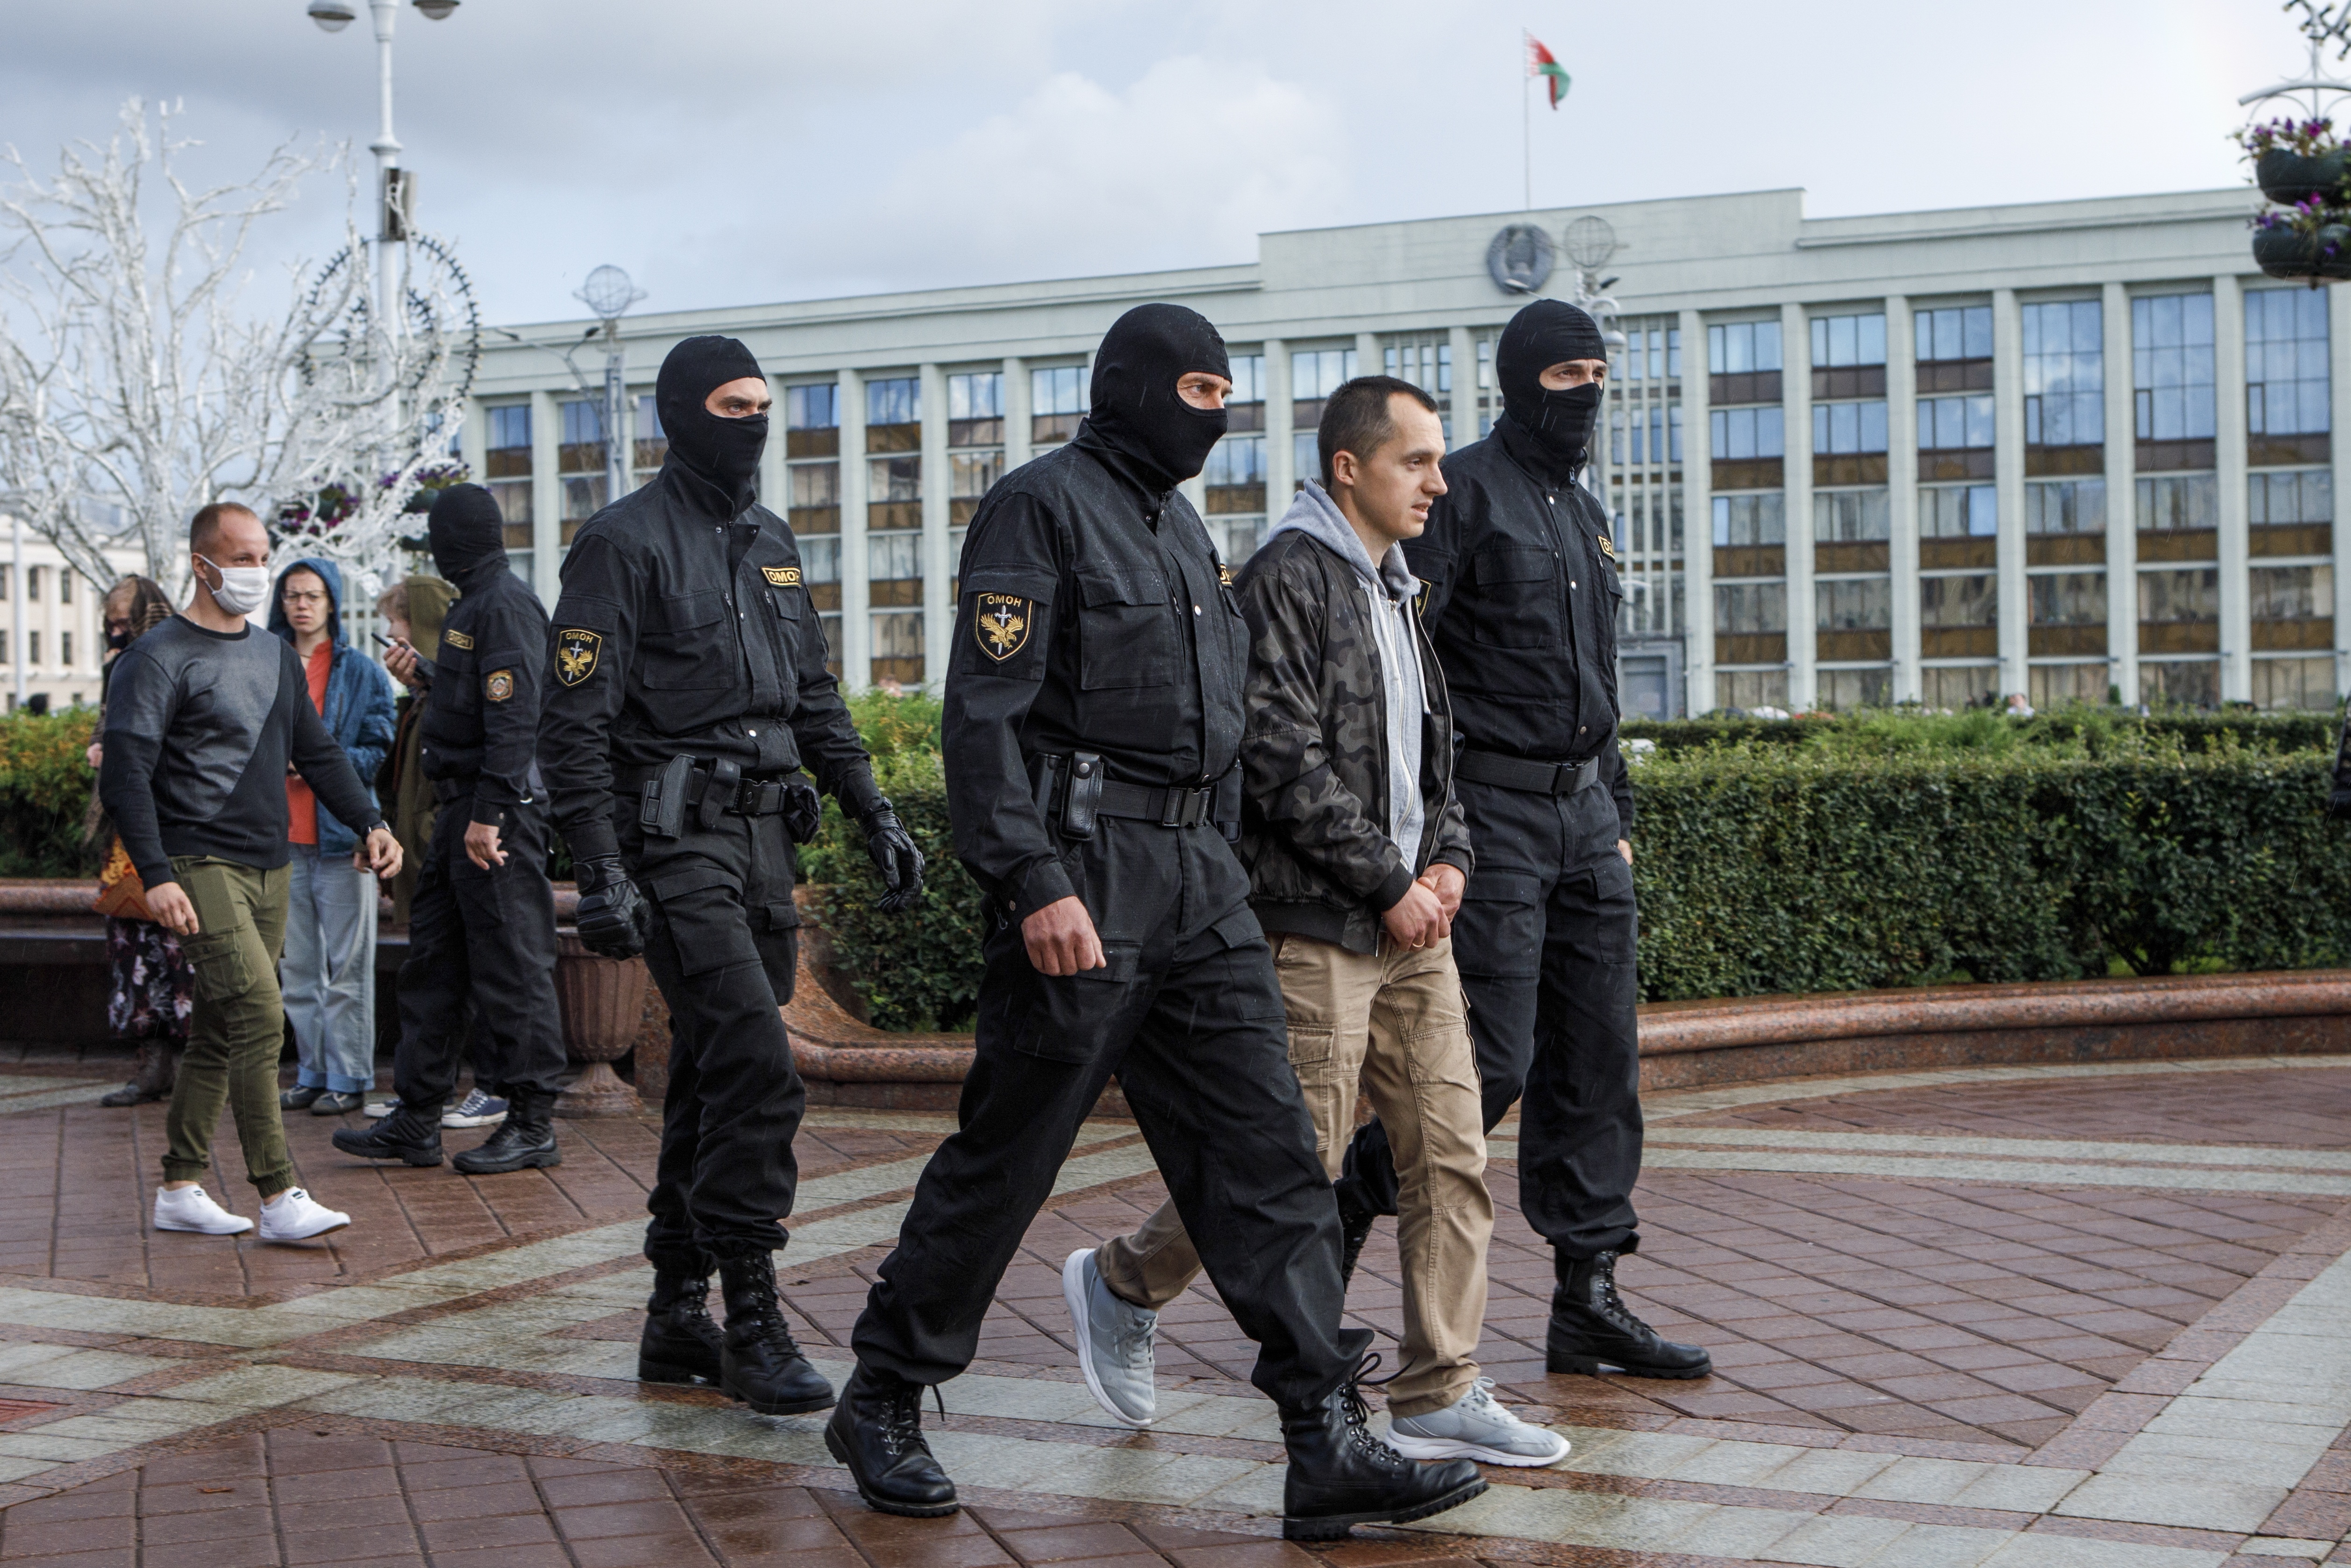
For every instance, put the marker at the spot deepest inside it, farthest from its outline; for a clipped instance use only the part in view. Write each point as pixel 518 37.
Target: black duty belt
pixel 1168 808
pixel 1526 775
pixel 760 795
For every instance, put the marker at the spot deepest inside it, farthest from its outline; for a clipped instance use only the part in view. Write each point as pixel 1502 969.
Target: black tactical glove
pixel 894 856
pixel 2338 802
pixel 615 918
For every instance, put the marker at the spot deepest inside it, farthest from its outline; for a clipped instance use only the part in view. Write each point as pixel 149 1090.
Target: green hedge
pixel 1989 729
pixel 45 789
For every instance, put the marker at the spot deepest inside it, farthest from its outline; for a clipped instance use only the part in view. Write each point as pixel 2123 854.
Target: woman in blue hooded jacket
pixel 327 974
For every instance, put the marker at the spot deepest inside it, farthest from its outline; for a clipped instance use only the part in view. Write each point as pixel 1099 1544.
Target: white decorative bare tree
pixel 135 388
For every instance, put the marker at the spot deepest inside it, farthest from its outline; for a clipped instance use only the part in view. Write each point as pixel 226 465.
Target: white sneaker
pixel 1476 1426
pixel 192 1208
pixel 294 1217
pixel 1113 1340
pixel 377 1110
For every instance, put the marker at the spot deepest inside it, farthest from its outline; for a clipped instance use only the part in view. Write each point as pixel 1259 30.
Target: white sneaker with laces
pixel 1113 1339
pixel 1476 1426
pixel 477 1108
pixel 192 1208
pixel 294 1217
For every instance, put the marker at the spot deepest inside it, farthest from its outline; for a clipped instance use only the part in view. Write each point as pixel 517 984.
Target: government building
pixel 2072 449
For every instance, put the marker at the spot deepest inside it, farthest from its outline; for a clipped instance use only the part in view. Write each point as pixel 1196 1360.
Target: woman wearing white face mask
pixel 198 793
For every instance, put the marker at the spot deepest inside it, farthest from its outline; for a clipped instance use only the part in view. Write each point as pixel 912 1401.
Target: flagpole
pixel 1526 117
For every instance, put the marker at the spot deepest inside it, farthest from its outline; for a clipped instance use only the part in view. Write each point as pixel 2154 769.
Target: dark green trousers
pixel 239 1027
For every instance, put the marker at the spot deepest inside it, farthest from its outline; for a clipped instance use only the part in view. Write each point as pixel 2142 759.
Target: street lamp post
pixel 395 190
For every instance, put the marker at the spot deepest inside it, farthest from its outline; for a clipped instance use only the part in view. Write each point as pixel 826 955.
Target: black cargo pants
pixel 486 936
pixel 723 950
pixel 1189 1015
pixel 1545 943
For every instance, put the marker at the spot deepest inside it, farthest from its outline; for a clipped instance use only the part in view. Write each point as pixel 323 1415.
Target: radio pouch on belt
pixel 661 809
pixel 803 811
pixel 725 782
pixel 1229 804
pixel 1083 794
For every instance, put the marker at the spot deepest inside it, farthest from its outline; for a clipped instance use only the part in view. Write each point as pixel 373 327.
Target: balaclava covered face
pixel 467 532
pixel 724 452
pixel 1135 409
pixel 1543 334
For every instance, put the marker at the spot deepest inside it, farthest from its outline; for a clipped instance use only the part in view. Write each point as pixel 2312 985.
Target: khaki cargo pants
pixel 1391 1022
pixel 239 1027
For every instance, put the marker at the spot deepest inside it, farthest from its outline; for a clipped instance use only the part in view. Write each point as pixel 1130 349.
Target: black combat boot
pixel 1341 1475
pixel 151 1074
pixel 525 1140
pixel 877 1432
pixel 1355 1229
pixel 1591 1328
pixel 680 1343
pixel 758 1364
pixel 411 1133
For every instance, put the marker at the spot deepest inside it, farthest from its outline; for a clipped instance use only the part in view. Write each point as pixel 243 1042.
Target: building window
pixel 1954 423
pixel 65 643
pixel 2065 506
pixel 1851 517
pixel 976 449
pixel 894 492
pixel 2186 503
pixel 65 593
pixel 2194 683
pixel 32 584
pixel 812 498
pixel 1958 511
pixel 893 415
pixel 2171 381
pixel 1235 481
pixel 1746 521
pixel 1848 443
pixel 1849 357
pixel 1957 335
pixel 1425 362
pixel 1652 353
pixel 2179 610
pixel 506 471
pixel 2054 686
pixel 1741 432
pixel 1245 409
pixel 2279 592
pixel 1959 616
pixel 1842 691
pixel 2285 376
pixel 1056 402
pixel 1315 375
pixel 2304 682
pixel 581 460
pixel 812 421
pixel 1749 691
pixel 897 650
pixel 32 647
pixel 650 441
pixel 2064 388
pixel 1751 623
pixel 1742 362
pixel 2067 599
pixel 1852 604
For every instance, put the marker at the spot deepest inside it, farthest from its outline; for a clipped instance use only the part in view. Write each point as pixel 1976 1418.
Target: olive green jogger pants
pixel 239 1027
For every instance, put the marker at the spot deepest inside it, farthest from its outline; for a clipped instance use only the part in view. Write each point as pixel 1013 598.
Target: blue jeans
pixel 328 971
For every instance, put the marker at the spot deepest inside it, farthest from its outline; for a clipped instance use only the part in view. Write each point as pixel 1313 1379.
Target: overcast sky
pixel 730 153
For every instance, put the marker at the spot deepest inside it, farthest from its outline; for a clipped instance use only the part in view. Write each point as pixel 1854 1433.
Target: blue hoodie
pixel 358 711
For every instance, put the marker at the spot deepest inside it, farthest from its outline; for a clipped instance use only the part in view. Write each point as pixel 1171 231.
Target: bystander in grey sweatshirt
pixel 200 726
pixel 1388 587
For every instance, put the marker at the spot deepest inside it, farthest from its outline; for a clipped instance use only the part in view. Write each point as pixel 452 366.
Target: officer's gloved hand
pixel 615 918
pixel 2338 802
pixel 895 857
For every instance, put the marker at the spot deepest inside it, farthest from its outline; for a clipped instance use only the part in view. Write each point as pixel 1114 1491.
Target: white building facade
pixel 2075 450
pixel 52 623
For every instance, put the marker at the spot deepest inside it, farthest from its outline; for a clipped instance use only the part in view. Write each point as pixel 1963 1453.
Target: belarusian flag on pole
pixel 1540 64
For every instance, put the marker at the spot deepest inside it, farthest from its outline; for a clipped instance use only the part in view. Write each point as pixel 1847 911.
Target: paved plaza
pixel 2023 1317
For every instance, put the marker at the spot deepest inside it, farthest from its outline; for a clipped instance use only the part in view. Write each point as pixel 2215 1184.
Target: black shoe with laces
pixel 524 1141
pixel 1341 1475
pixel 877 1432
pixel 680 1343
pixel 1593 1330
pixel 409 1132
pixel 759 1362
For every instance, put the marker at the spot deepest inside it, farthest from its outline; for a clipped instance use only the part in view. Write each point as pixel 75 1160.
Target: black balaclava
pixel 724 453
pixel 1135 410
pixel 1543 334
pixel 468 534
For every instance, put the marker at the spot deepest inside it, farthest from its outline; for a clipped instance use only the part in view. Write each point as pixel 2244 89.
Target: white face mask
pixel 242 589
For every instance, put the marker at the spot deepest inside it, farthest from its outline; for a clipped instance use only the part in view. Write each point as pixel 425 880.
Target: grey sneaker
pixel 1476 1426
pixel 1113 1341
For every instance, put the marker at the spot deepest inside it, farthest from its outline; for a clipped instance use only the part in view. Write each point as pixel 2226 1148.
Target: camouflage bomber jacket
pixel 1314 752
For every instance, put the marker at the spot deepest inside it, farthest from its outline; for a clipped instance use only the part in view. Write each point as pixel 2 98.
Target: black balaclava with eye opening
pixel 1545 333
pixel 1137 413
pixel 723 453
pixel 467 533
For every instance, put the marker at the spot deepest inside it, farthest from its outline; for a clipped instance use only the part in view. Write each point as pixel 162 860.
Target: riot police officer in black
pixel 482 922
pixel 1521 601
pixel 1092 719
pixel 690 689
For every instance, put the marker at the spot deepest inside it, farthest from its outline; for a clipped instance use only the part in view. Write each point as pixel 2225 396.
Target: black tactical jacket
pixel 480 712
pixel 1521 603
pixel 1094 617
pixel 683 630
pixel 1315 754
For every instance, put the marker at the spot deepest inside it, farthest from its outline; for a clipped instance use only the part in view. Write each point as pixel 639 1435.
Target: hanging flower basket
pixel 2282 252
pixel 2288 177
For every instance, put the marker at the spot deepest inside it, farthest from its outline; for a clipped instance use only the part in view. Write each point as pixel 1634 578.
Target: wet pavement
pixel 2025 1317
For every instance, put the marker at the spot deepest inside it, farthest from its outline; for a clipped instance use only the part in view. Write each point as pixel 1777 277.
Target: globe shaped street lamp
pixel 333 15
